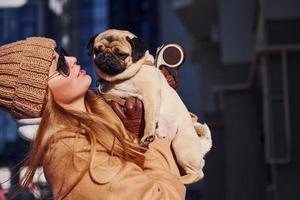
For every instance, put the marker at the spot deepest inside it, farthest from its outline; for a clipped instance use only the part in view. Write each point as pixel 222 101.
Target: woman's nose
pixel 71 60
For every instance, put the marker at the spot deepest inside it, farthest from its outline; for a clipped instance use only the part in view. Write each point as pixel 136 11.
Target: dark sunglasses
pixel 62 67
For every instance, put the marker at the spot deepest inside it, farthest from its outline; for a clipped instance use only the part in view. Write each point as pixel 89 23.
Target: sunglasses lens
pixel 63 52
pixel 62 66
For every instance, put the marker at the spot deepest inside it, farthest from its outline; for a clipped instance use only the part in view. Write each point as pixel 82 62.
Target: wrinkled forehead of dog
pixel 113 35
pixel 124 41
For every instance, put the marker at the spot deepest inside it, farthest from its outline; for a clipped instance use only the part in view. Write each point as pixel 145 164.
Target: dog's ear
pixel 138 48
pixel 90 45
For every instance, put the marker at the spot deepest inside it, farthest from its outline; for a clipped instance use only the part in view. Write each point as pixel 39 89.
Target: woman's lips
pixel 81 72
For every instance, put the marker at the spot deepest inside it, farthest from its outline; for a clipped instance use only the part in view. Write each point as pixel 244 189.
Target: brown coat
pixel 109 179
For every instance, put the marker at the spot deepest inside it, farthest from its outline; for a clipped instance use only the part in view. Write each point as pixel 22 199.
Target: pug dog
pixel 125 68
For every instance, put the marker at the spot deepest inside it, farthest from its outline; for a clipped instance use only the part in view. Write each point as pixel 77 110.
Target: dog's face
pixel 113 51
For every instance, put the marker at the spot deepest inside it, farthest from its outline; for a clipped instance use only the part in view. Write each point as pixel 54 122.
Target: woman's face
pixel 68 89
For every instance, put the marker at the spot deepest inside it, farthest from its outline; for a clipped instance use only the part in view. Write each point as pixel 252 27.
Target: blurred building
pixel 138 17
pixel 247 55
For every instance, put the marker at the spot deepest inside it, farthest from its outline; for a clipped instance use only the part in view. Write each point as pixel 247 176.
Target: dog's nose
pixel 103 58
pixel 107 55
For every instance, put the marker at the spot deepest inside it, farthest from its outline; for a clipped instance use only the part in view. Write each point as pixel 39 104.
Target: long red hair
pixel 100 124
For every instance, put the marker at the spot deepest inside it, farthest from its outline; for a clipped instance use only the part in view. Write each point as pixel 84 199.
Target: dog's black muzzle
pixel 108 64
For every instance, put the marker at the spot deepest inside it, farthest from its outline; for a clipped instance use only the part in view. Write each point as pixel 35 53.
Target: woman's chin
pixel 89 80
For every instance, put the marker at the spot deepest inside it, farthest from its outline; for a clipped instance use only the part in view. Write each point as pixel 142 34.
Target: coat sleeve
pixel 108 177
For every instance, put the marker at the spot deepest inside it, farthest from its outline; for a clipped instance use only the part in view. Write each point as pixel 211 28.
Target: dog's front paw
pixel 147 139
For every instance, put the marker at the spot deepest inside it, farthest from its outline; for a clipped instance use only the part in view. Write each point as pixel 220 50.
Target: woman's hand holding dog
pixel 132 115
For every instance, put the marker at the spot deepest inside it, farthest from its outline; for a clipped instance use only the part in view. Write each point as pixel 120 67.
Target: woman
pixel 81 143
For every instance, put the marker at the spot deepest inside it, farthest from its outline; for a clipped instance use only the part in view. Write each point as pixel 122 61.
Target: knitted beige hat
pixel 24 70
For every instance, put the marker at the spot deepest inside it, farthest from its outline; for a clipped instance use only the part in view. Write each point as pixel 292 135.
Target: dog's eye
pixel 97 50
pixel 116 50
pixel 123 56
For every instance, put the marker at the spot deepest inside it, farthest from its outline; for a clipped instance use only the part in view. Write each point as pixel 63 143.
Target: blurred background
pixel 241 76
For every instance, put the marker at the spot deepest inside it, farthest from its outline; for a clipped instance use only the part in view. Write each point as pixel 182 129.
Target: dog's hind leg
pixel 191 176
pixel 187 149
